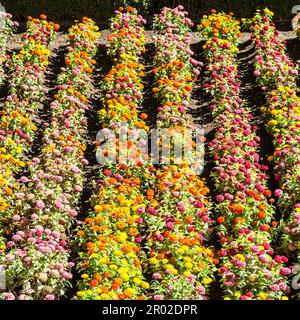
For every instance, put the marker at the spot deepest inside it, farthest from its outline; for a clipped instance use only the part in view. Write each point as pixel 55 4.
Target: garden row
pixel 277 75
pixel 43 209
pixel 248 267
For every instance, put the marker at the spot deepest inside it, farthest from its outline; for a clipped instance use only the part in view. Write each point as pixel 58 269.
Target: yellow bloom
pixel 207 280
pixel 80 293
pixel 188 265
pixel 240 257
pixel 137 281
pixel 262 295
pixel 122 270
pixel 105 296
pixel 145 285
pixel 125 277
pixel 123 237
pixel 153 261
pixel 273 122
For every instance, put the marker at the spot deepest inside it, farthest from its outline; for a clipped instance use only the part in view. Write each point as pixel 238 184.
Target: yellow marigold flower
pixel 240 257
pixel 207 280
pixel 186 273
pixel 113 267
pixel 105 296
pixel 145 285
pixel 125 277
pixel 123 237
pixel 188 265
pixel 137 281
pixel 80 293
pixel 273 122
pixel 262 295
pixel 153 261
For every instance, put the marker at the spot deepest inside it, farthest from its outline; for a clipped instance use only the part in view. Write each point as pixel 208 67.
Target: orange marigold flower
pixel 221 219
pixel 94 283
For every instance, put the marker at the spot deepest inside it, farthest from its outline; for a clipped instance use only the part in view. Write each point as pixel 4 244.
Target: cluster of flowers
pixel 110 252
pixel 26 90
pixel 248 269
pixel 277 74
pixel 17 125
pixel 37 259
pixel 181 263
pixel 7 28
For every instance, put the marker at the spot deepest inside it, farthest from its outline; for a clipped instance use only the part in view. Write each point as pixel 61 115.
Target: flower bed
pixel 37 259
pixel 276 73
pixel 18 120
pixel 181 263
pixel 110 257
pixel 248 268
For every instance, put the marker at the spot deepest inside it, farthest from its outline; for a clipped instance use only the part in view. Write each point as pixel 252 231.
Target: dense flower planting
pixel 248 268
pixel 18 120
pixel 37 257
pixel 150 230
pixel 110 238
pixel 180 262
pixel 26 90
pixel 277 75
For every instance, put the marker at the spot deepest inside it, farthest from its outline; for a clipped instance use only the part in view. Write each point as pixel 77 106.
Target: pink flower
pixel 285 271
pixel 138 239
pixel 77 188
pixel 220 198
pixel 152 211
pixel 8 296
pixel 58 205
pixel 140 210
pixel 39 205
pixel 73 213
pixel 278 193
